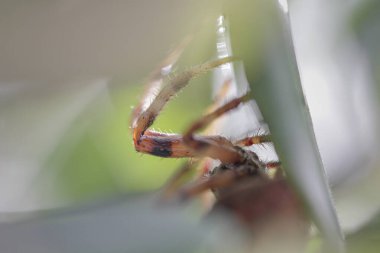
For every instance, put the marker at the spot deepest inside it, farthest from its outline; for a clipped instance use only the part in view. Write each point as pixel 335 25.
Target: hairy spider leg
pixel 252 140
pixel 223 150
pixel 164 144
pixel 176 83
pixel 244 142
pixel 255 140
pixel 156 78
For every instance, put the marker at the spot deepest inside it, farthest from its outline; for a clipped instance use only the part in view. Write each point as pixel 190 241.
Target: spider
pixel 241 183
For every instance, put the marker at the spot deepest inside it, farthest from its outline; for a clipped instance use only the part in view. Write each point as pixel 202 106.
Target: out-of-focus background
pixel 70 71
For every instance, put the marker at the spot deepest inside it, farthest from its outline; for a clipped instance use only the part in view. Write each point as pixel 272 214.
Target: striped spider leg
pixel 188 145
pixel 175 145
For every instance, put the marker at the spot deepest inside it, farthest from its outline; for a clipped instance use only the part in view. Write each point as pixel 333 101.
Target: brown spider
pixel 241 183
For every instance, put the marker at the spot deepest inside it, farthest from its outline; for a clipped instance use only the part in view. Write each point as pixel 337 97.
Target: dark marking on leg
pixel 162 147
pixel 162 152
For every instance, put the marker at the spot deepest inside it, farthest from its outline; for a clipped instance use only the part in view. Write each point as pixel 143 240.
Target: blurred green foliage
pixel 96 156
